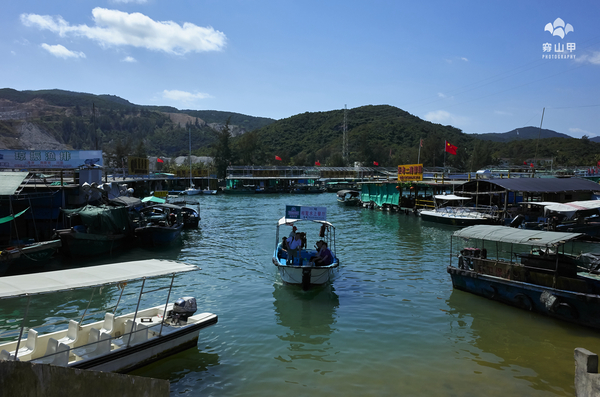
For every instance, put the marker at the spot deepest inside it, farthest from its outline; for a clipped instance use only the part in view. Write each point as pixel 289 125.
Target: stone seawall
pixel 25 379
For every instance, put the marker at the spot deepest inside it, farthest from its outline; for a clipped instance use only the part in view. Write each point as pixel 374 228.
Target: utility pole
pixel 345 137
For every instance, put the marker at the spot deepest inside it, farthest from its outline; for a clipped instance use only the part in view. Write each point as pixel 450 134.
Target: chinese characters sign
pixel 410 172
pixel 308 213
pixel 59 159
pixel 559 49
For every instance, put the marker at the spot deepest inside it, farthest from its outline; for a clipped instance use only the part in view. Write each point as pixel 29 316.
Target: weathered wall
pixel 24 379
pixel 587 379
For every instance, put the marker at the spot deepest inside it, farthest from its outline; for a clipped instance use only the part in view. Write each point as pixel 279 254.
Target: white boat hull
pixel 123 355
pixel 301 275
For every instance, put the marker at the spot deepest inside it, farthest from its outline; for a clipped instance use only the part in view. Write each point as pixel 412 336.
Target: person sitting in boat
pixel 294 247
pixel 324 256
pixel 282 249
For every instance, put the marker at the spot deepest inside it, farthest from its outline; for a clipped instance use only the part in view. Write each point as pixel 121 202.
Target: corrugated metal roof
pixel 511 235
pixel 11 182
pixel 536 185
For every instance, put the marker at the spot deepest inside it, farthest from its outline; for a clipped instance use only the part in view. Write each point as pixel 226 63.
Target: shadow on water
pixel 309 316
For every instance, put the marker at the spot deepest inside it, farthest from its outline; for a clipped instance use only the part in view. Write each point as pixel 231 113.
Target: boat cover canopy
pixel 352 193
pixel 60 280
pixel 511 235
pixel 450 197
pixel 571 209
pixel 290 222
pixel 154 199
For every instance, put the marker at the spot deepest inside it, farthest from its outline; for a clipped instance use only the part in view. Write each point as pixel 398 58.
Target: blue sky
pixel 478 66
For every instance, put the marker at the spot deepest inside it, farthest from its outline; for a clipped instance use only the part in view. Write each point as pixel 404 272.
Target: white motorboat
pixel 122 341
pixel 296 267
pixel 450 209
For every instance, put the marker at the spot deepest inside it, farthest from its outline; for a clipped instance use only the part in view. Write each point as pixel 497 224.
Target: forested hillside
pixel 377 135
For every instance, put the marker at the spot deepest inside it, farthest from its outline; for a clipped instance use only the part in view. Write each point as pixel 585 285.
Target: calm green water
pixel 389 325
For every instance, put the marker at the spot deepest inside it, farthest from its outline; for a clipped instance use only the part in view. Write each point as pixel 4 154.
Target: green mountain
pixel 520 133
pixel 382 135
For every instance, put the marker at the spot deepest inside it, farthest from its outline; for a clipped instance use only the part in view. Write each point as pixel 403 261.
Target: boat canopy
pixel 290 221
pixel 352 193
pixel 511 235
pixel 154 199
pixel 450 197
pixel 61 280
pixel 571 209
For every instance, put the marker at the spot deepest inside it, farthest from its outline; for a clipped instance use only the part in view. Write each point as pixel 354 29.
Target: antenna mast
pixel 345 138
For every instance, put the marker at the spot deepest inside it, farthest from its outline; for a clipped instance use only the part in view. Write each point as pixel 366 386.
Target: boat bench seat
pixel 98 343
pixel 56 354
pixel 134 333
pixel 72 334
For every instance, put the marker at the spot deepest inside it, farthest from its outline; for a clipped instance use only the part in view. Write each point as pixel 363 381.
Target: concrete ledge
pixel 587 379
pixel 25 379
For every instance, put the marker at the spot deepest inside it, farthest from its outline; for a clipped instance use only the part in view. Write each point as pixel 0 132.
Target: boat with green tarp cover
pixel 381 195
pixel 95 230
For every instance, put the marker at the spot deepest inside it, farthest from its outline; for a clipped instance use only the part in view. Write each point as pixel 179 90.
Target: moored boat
pixel 529 269
pixel 298 266
pixel 349 197
pixel 95 230
pixel 24 257
pixel 450 210
pixel 159 224
pixel 121 341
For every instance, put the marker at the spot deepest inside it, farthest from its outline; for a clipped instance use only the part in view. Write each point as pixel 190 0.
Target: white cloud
pixel 593 58
pixel 183 96
pixel 464 59
pixel 117 28
pixel 129 59
pixel 502 113
pixel 441 95
pixel 445 118
pixel 62 52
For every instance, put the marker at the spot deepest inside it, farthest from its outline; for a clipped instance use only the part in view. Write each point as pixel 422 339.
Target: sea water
pixel 390 324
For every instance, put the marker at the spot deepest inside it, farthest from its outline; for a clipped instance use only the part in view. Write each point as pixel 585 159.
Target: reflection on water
pixel 309 317
pixel 528 345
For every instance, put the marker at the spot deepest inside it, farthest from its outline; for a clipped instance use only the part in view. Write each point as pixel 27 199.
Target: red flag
pixel 375 163
pixel 278 158
pixel 531 165
pixel 598 163
pixel 317 162
pixel 524 162
pixel 450 148
pixel 159 160
pixel 421 142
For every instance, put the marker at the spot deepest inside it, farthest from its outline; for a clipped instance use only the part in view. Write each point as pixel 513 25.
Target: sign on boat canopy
pixel 308 213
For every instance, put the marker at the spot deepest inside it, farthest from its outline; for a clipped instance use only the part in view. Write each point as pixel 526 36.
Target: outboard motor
pixel 182 309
